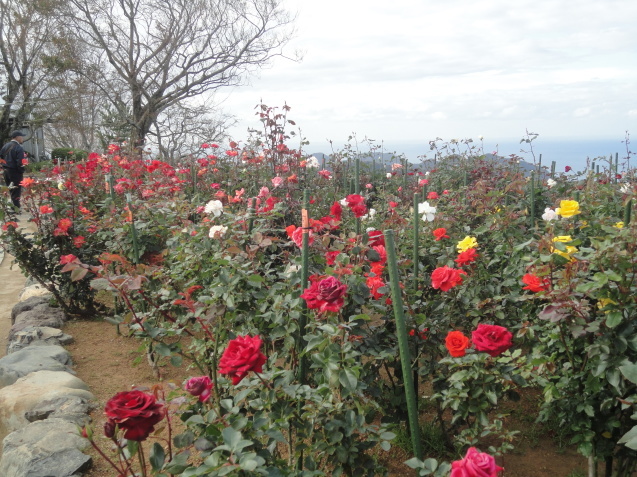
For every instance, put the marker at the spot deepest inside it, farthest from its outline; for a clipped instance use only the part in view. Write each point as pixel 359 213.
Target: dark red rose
pixel 445 278
pixel 492 339
pixel 567 168
pixel 242 355
pixel 136 412
pixel 109 428
pixel 200 386
pixel 325 295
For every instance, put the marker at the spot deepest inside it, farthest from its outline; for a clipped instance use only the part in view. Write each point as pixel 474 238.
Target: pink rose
pixel 475 464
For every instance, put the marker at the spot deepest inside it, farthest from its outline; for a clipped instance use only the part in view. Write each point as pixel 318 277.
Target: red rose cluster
pixel 327 294
pixel 356 203
pixel 242 355
pixel 491 339
pixel 134 411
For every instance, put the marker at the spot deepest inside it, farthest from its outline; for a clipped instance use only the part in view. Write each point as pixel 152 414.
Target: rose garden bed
pixel 326 309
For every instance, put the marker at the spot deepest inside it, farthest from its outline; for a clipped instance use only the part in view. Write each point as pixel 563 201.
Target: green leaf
pixel 157 456
pixel 613 318
pixel 348 379
pixel 630 439
pixel 630 372
pixel 100 284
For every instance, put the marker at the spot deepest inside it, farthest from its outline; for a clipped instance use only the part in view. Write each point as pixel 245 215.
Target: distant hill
pixel 388 159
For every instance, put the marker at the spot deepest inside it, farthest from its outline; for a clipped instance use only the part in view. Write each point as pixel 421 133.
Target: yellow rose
pixel 568 208
pixel 61 186
pixel 604 302
pixel 467 243
pixel 619 225
pixel 569 249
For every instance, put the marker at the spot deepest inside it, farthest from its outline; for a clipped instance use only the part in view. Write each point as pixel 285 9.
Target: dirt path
pixel 12 282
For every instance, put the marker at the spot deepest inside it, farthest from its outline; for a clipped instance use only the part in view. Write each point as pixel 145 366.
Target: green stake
pixel 532 199
pixel 133 229
pixel 627 212
pixel 305 253
pixel 250 215
pixel 552 169
pixel 403 345
pixel 416 233
pixel 357 176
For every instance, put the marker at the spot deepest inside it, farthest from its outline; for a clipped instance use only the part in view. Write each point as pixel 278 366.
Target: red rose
pixel 242 355
pixel 359 209
pixel 382 252
pixel 336 210
pixel 445 278
pixel 456 343
pixel 534 283
pixel 330 257
pixel 432 195
pixel 136 412
pixel 475 464
pixel 375 238
pixel 567 168
pixel 325 295
pixel 200 386
pixel 374 283
pixel 492 339
pixel 440 234
pixel 466 257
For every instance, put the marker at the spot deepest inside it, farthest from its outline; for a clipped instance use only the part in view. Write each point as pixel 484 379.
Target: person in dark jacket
pixel 12 155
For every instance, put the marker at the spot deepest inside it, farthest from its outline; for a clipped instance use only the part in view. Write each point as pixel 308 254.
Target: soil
pixel 105 361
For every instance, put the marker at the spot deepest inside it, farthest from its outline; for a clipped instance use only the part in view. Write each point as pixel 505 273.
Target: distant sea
pixel 565 152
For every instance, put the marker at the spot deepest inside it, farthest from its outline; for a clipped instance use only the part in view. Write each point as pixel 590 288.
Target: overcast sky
pixel 414 70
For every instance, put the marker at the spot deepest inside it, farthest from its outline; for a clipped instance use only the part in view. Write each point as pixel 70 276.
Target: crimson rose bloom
pixel 357 204
pixel 201 387
pixel 456 343
pixel 440 234
pixel 475 464
pixel 492 339
pixel 375 238
pixel 534 283
pixel 242 355
pixel 466 257
pixel 325 295
pixel 136 412
pixel 446 278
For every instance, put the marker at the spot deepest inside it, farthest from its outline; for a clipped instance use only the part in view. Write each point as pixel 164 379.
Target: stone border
pixel 42 402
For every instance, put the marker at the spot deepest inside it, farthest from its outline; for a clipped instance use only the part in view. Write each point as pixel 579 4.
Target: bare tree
pixel 26 30
pixel 180 130
pixel 162 52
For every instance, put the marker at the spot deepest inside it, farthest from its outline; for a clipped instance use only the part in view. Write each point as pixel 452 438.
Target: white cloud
pixel 445 69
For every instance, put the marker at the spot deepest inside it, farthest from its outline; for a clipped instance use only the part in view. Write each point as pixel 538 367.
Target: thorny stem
pixel 105 457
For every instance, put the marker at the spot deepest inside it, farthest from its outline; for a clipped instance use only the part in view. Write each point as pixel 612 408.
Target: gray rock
pixel 27 305
pixel 41 315
pixel 42 335
pixel 34 290
pixel 49 448
pixel 33 358
pixel 70 408
pixel 32 391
